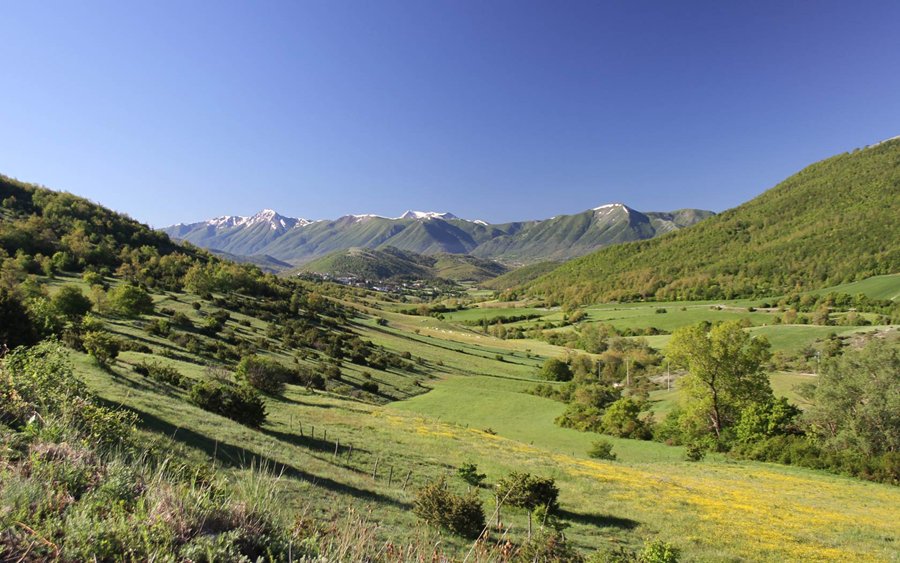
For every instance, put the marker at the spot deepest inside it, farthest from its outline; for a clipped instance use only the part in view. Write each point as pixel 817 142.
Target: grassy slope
pixel 715 510
pixel 833 222
pixel 719 510
pixel 876 287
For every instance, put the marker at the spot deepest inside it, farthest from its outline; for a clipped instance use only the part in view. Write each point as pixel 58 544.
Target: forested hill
pixel 835 221
pixel 393 263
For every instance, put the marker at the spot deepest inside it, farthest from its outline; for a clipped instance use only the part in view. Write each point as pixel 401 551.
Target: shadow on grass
pixel 599 520
pixel 231 455
pixel 310 442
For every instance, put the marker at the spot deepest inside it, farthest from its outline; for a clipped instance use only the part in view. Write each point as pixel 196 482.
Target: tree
pixel 129 301
pixel 856 401
pixel 264 374
pixel 725 372
pixel 556 370
pixel 71 303
pixel 468 472
pixel 623 419
pixel 102 347
pixel 16 327
pixel 528 491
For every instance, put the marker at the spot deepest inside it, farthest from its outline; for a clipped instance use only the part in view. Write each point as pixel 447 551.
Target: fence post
pixel 337 445
pixel 375 470
pixel 349 452
pixel 405 481
pixel 391 476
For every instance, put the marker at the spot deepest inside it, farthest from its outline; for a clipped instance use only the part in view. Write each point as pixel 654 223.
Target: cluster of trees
pixel 849 424
pixel 607 395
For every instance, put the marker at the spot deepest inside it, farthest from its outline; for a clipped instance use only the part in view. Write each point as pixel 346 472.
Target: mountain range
pixel 297 241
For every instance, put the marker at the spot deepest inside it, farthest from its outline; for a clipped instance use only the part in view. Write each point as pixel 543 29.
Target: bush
pixel 240 403
pixel 659 552
pixel 556 370
pixel 161 373
pixel 71 303
pixel 369 387
pixel 694 452
pixel 181 320
pixel 602 449
pixel 623 419
pixel 264 374
pixel 549 546
pixel 129 301
pixel 103 347
pixel 16 327
pixel 461 514
pixel 529 491
pixel 309 378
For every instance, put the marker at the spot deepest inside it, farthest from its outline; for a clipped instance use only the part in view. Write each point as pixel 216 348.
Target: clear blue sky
pixel 499 110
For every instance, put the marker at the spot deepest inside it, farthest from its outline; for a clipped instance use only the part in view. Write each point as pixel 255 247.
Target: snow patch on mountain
pixel 266 216
pixel 427 215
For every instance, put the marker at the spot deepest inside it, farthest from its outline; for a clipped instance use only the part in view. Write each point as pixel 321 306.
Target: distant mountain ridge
pixel 298 241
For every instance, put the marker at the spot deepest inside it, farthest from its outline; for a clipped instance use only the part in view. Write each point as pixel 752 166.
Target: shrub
pixel 240 403
pixel 369 387
pixel 182 320
pixel 101 346
pixel 623 419
pixel 309 378
pixel 71 303
pixel 528 491
pixel 468 472
pixel 550 546
pixel 264 374
pixel 438 506
pixel 659 552
pixel 694 452
pixel 161 373
pixel 129 301
pixel 16 327
pixel 602 449
pixel 556 370
pixel 93 278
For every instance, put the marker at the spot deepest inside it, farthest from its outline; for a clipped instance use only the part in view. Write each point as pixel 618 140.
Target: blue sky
pixel 498 110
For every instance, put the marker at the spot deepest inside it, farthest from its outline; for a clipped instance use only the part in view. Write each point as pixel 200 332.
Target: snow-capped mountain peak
pixel 427 215
pixel 269 216
pixel 610 208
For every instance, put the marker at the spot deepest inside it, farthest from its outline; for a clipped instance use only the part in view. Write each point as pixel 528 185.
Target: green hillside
pixel 393 263
pixel 520 276
pixel 833 222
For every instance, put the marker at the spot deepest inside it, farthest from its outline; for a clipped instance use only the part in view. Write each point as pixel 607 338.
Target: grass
pixel 876 287
pixel 477 411
pixel 717 510
pixel 792 338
